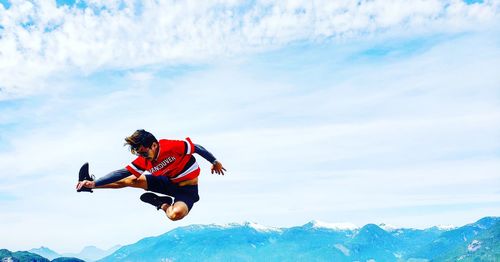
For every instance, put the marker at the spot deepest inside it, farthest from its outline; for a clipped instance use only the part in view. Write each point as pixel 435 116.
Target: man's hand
pixel 218 168
pixel 85 183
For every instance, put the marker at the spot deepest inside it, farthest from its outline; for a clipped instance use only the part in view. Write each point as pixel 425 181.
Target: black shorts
pixel 163 185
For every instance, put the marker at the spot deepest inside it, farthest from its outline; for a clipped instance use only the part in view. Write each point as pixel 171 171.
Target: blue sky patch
pixel 179 70
pixel 400 48
pixel 28 24
pixel 435 208
pixel 72 3
pixel 138 8
pixel 6 4
pixel 6 197
pixel 470 2
pixel 51 27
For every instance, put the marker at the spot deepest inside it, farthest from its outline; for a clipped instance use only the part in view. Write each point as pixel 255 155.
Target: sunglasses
pixel 143 153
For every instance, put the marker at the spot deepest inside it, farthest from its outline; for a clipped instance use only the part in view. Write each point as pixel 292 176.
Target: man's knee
pixel 177 212
pixel 174 216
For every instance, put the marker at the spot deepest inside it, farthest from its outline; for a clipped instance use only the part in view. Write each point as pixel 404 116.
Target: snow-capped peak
pixel 388 227
pixel 446 227
pixel 335 226
pixel 258 227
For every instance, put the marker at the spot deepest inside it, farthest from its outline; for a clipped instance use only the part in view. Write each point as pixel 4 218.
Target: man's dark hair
pixel 140 138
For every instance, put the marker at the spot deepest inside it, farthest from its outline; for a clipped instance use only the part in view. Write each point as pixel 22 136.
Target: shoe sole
pixel 155 200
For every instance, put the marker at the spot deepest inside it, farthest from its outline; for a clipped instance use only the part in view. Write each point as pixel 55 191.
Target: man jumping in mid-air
pixel 172 168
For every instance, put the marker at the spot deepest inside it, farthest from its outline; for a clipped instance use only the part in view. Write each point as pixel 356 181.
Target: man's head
pixel 143 143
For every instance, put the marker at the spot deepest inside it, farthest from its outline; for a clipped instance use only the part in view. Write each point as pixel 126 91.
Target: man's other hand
pixel 218 168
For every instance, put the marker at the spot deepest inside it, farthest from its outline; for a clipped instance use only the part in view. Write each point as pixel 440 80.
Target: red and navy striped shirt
pixel 175 160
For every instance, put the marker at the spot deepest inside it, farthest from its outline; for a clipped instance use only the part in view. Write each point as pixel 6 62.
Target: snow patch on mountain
pixel 256 226
pixel 446 227
pixel 474 246
pixel 343 249
pixel 261 228
pixel 334 226
pixel 389 227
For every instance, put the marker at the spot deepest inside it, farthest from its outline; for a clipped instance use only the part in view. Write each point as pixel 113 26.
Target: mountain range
pixel 314 241
pixel 479 241
pixel 25 256
pixel 89 253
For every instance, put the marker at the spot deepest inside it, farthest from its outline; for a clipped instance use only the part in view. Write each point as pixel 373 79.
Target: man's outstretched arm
pixel 216 165
pixel 204 153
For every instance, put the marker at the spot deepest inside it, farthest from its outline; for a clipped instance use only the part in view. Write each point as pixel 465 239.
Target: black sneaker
pixel 84 175
pixel 156 200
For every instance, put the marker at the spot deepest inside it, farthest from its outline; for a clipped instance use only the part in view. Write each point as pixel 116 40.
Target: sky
pixel 337 111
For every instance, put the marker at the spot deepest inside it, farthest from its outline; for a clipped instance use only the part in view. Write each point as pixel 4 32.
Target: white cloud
pixel 141 76
pixel 40 40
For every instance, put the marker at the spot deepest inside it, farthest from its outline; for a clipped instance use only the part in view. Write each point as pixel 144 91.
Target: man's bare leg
pixel 177 211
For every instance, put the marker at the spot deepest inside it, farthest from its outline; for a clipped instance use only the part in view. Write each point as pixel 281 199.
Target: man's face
pixel 147 152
